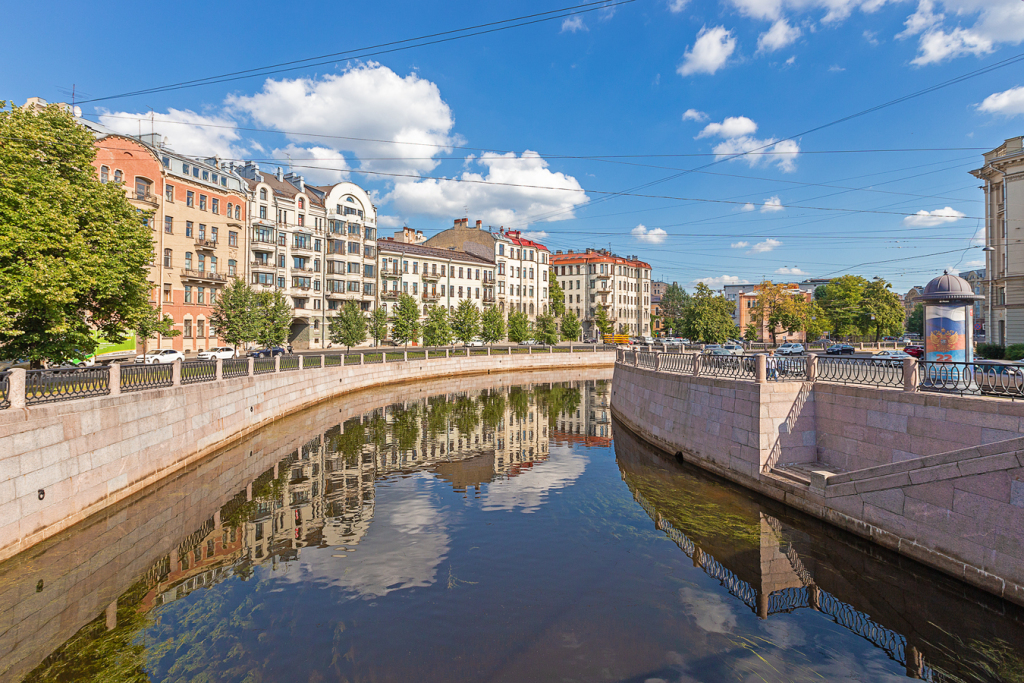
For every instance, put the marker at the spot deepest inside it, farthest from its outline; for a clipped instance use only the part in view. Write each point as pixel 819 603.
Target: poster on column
pixel 945 334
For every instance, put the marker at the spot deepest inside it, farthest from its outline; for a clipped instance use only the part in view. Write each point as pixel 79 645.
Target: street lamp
pixel 988 272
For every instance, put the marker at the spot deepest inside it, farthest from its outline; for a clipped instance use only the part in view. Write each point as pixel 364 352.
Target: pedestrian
pixel 773 366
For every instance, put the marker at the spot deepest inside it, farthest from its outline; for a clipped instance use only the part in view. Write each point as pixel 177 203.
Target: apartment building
pixel 979 283
pixel 520 264
pixel 598 277
pixel 432 276
pixel 1002 173
pixel 746 313
pixel 740 295
pixel 315 244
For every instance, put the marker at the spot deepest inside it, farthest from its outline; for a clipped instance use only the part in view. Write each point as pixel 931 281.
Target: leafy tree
pixel 378 325
pixel 751 334
pixel 436 330
pixel 234 314
pixel 406 327
pixel 601 321
pixel 915 323
pixel 74 253
pixel 274 318
pixel 546 329
pixel 841 302
pixel 709 316
pixel 518 327
pixel 349 326
pixel 154 324
pixel 881 310
pixel 556 295
pixel 623 328
pixel 779 308
pixel 571 327
pixel 493 327
pixel 674 303
pixel 815 321
pixel 466 321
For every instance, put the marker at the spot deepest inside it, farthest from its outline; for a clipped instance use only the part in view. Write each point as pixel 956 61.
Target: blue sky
pixel 553 118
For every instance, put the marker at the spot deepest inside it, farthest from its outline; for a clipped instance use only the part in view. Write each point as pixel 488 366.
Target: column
pixel 277 363
pixel 252 366
pixel 761 368
pixel 220 369
pixel 910 374
pixel 114 379
pixel 176 373
pixel 812 368
pixel 16 388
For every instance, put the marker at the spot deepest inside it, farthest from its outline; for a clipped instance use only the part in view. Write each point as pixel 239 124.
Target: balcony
pixel 306 269
pixel 390 294
pixel 144 197
pixel 202 275
pixel 431 296
pixel 488 279
pixel 265 265
pixel 206 245
pixel 601 276
pixel 488 298
pixel 430 277
pixel 302 246
pixel 391 274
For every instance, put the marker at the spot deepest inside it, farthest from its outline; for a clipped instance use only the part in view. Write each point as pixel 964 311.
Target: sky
pixel 691 133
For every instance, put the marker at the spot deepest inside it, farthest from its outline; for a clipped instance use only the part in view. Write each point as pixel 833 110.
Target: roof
pixel 389 244
pixel 597 257
pixel 514 237
pixel 285 189
pixel 949 287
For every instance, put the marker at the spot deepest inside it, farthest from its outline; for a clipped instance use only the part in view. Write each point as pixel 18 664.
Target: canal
pixel 498 528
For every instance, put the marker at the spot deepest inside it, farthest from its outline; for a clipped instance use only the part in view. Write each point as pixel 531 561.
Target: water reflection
pixel 493 532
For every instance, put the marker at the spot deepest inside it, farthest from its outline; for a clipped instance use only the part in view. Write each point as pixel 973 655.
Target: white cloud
pixel 835 68
pixel 530 489
pixel 319 165
pixel 791 61
pixel 652 236
pixel 184 131
pixel 766 246
pixel 1008 103
pixel 739 245
pixel 694 115
pixel 872 38
pixel 780 35
pixel 771 205
pixel 367 101
pixel 748 207
pixel 976 263
pixel 789 271
pixel 937 45
pixel 921 20
pixel 927 219
pixel 389 221
pixel 732 127
pixel 835 10
pixel 520 192
pixel 677 6
pixel 709 53
pixel 997 21
pixel 573 24
pixel 720 281
pixel 536 235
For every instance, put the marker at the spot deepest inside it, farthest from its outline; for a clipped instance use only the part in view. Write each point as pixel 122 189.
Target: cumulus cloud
pixel 319 165
pixel 389 221
pixel 694 115
pixel 521 188
pixel 766 246
pixel 976 263
pixel 938 45
pixel 771 205
pixel 738 140
pixel 536 235
pixel 835 10
pixel 677 6
pixel 998 21
pixel 739 245
pixel 780 35
pixel 184 131
pixel 401 122
pixel 927 219
pixel 789 271
pixel 720 281
pixel 652 236
pixel 748 207
pixel 528 491
pixel 573 24
pixel 1008 103
pixel 709 53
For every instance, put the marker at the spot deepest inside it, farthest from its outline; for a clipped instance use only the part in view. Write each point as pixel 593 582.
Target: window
pixel 104 174
pixel 166 161
pixel 215 205
pixel 195 171
pixel 206 174
pixel 460 273
pixel 188 228
pixel 353 247
pixel 261 234
pixel 190 198
pixel 199 323
pixel 232 267
pixel 169 192
pixel 202 232
pixel 302 219
pixel 302 205
pixel 213 177
pixel 168 225
pixel 371 233
pixel 188 328
pixel 167 258
pixel 238 212
pixel 368 270
pixel 184 169
pixel 368 287
pixel 118 176
pixel 167 294
pixel 316 245
pixel 188 260
pixel 263 212
pixel 213 264
pixel 280 281
pixel 188 294
pixel 232 238
pixel 263 194
pixel 302 282
pixel 202 201
pixel 213 233
pixel 263 279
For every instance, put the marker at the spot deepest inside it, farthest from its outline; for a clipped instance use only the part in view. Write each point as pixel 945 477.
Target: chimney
pixel 479 224
pixel 280 174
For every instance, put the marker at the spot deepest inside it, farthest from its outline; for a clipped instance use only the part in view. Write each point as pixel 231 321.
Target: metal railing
pixel 261 366
pixel 194 371
pixel 678 362
pixel 138 377
pixel 65 384
pixel 977 378
pixel 311 362
pixel 333 361
pixel 742 367
pixel 785 368
pixel 236 367
pixel 867 371
pixel 289 363
pixel 5 391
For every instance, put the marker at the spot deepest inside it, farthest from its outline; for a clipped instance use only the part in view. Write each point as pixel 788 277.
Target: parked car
pixel 733 349
pixel 529 342
pixel 890 357
pixel 710 347
pixel 267 353
pixel 221 352
pixel 708 351
pixel 475 341
pixel 160 356
pixel 837 349
pixel 890 339
pixel 647 340
pixel 915 351
pixel 20 363
pixel 791 349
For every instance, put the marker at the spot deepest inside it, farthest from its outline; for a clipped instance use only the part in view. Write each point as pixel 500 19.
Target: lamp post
pixel 988 295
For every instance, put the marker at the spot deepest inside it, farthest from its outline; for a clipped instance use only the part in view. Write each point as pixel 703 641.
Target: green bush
pixel 1014 352
pixel 992 351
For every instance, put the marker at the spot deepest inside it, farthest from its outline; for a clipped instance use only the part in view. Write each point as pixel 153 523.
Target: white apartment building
pixel 598 277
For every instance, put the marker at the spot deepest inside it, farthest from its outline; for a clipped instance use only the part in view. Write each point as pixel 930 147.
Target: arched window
pixel 238 211
pixel 167 258
pixel 531 309
pixel 143 188
pixel 302 203
pixel 118 176
pixel 104 174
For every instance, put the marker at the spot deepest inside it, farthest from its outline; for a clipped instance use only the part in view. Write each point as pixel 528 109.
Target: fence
pixel 865 371
pixel 66 384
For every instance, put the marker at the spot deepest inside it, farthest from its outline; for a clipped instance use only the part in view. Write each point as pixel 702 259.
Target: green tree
pixel 493 327
pixel 623 328
pixel 154 324
pixel 273 314
pixel 779 308
pixel 546 329
pixel 556 295
pixel 234 314
pixel 466 321
pixel 841 302
pixel 518 327
pixel 378 325
pixel 349 326
pixel 815 321
pixel 751 334
pixel 406 327
pixel 571 327
pixel 601 321
pixel 74 252
pixel 881 310
pixel 436 330
pixel 915 322
pixel 674 303
pixel 709 316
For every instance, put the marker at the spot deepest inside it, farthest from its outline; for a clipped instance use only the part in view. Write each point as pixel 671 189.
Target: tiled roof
pixel 513 236
pixel 432 252
pixel 596 257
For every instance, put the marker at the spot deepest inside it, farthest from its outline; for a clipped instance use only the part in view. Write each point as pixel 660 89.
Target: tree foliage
pixel 708 318
pixel 493 326
pixel 466 321
pixel 546 329
pixel 273 318
pixel 841 303
pixel 348 328
pixel 571 327
pixel 378 325
pixel 152 324
pixel 74 252
pixel 674 303
pixel 915 322
pixel 406 327
pixel 780 308
pixel 518 327
pixel 601 321
pixel 881 310
pixel 234 315
pixel 751 334
pixel 555 295
pixel 436 330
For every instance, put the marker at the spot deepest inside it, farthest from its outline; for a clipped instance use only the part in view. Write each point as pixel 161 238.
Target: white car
pixel 734 349
pixel 475 341
pixel 161 356
pixel 790 349
pixel 222 352
pixel 890 357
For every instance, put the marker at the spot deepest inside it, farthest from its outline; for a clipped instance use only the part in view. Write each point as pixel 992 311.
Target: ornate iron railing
pixel 5 391
pixel 198 371
pixel 334 361
pixel 262 366
pixel 980 377
pixel 236 367
pixel 742 367
pixel 678 362
pixel 312 362
pixel 785 368
pixel 152 376
pixel 289 363
pixel 65 384
pixel 868 371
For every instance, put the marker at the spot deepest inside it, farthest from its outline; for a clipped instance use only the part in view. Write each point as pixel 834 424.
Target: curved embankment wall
pixel 61 462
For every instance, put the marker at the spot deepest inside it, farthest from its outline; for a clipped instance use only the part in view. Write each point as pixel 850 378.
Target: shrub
pixel 1014 352
pixel 992 351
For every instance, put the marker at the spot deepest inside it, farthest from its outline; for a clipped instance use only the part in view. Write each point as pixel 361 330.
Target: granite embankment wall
pixel 933 477
pixel 61 462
